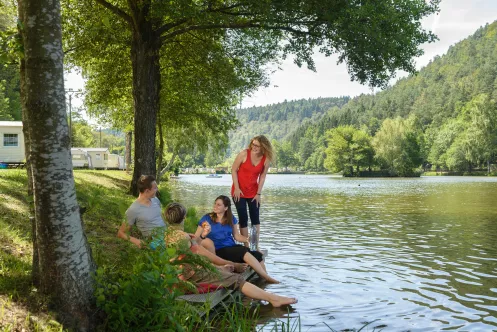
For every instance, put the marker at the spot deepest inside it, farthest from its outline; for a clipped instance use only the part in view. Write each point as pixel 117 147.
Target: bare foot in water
pixel 278 301
pixel 240 267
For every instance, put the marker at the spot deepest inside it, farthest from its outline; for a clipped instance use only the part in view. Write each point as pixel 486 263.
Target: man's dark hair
pixel 145 182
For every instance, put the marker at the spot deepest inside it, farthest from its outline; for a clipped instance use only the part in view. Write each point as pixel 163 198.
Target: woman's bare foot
pixel 278 301
pixel 228 267
pixel 240 267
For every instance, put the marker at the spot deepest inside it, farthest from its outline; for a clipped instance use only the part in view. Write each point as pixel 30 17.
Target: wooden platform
pixel 214 298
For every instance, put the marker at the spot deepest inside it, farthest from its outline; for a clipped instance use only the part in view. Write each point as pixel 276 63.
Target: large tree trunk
pixel 146 88
pixel 65 264
pixel 129 139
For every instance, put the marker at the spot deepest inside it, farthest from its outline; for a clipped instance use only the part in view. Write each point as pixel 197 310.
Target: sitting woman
pixel 223 233
pixel 175 215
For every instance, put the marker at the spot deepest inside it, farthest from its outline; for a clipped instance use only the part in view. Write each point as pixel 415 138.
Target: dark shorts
pixel 235 254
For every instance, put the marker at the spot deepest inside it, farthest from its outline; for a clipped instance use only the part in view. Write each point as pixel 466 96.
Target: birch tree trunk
pixel 65 263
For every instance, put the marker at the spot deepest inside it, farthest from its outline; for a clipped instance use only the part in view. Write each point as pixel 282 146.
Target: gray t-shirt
pixel 146 218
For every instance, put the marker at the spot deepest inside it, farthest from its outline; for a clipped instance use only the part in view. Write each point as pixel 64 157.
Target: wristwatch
pixel 202 237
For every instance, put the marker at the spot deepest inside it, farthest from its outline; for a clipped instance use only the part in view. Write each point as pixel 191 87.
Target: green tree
pixel 374 46
pixel 481 116
pixel 285 155
pixel 396 147
pixel 10 104
pixel 348 149
pixel 443 140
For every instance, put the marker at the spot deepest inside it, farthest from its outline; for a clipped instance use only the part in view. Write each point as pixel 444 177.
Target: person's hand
pixel 236 194
pixel 206 228
pixel 257 198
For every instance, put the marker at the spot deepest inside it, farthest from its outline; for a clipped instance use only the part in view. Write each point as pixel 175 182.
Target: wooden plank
pixel 216 297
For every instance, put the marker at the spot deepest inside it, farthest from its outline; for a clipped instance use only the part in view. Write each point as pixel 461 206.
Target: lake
pixel 414 254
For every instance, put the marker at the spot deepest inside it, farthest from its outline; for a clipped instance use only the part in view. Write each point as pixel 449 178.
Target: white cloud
pixel 457 20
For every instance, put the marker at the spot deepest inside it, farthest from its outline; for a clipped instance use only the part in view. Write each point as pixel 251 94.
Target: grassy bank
pixel 104 196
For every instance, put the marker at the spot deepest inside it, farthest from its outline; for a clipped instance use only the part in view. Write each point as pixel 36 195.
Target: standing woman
pixel 249 173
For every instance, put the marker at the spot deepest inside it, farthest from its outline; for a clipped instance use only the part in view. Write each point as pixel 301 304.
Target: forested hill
pixel 278 121
pixel 437 94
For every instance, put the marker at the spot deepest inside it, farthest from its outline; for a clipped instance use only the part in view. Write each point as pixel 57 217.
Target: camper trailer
pixel 98 157
pixel 80 158
pixel 12 143
pixel 115 162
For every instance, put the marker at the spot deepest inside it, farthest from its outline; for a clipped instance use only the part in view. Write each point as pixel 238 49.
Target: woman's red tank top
pixel 248 176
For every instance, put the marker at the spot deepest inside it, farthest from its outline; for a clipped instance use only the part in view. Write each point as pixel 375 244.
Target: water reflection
pixel 413 254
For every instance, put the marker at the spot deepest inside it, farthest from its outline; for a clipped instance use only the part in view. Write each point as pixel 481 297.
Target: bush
pixel 143 298
pixel 164 196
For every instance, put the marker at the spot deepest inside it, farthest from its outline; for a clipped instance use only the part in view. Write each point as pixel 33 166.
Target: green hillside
pixel 278 121
pixel 455 92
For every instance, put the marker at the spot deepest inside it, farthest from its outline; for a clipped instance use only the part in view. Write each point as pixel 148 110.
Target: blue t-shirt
pixel 221 235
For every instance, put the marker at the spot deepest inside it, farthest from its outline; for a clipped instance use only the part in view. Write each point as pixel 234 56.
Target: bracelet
pixel 203 238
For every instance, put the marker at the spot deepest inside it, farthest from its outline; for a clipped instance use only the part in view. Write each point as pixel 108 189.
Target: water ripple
pixel 412 254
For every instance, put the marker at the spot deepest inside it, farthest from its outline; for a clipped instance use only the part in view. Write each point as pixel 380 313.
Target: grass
pixel 104 195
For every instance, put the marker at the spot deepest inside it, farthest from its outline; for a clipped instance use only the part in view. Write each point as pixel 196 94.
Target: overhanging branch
pixel 245 25
pixel 116 10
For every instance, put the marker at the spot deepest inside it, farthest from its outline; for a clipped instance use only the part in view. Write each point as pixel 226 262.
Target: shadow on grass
pixel 15 194
pixel 15 275
pixel 121 183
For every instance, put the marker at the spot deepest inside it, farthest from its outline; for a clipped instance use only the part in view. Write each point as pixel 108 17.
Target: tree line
pixel 442 118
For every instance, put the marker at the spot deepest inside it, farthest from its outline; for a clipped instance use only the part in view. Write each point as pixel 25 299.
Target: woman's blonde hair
pixel 266 147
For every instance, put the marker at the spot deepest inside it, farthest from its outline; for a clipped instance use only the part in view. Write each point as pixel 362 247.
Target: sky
pixel 456 20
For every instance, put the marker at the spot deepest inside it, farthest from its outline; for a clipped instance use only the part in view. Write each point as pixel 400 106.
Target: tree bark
pixel 65 264
pixel 146 88
pixel 35 270
pixel 25 124
pixel 161 149
pixel 129 139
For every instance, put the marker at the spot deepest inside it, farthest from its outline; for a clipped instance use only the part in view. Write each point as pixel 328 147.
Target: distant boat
pixel 214 176
pixel 172 176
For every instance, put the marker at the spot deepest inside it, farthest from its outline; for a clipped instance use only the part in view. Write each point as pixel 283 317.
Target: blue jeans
pixel 241 209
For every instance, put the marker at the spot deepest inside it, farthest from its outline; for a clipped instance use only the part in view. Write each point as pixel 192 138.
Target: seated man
pixel 145 212
pixel 175 215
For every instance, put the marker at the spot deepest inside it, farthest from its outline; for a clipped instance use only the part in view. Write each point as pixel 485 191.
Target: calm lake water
pixel 413 254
